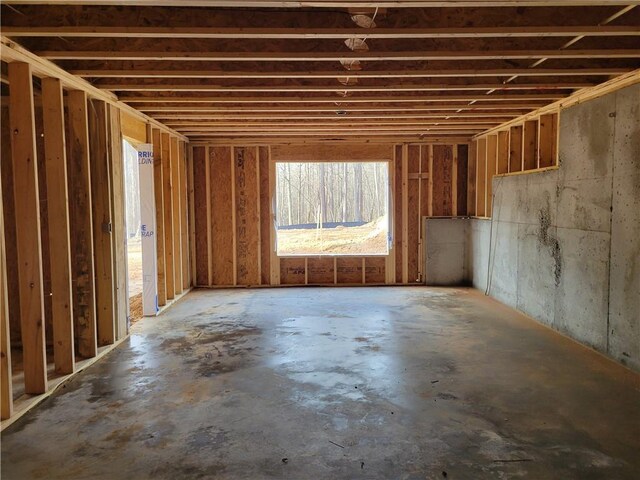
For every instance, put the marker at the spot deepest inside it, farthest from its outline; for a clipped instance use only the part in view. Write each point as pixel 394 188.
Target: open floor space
pixel 300 383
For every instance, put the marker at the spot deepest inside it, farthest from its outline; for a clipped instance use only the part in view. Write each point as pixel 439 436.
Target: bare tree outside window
pixel 332 208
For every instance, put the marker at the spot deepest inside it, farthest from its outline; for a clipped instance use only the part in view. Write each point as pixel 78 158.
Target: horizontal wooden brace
pixel 504 72
pixel 617 83
pixel 332 3
pixel 315 33
pixel 178 56
pixel 169 87
pixel 363 132
pixel 418 176
pixel 336 99
pixel 11 52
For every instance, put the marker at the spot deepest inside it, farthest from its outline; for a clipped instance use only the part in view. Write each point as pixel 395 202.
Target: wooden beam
pixel 369 56
pixel 133 128
pixel 249 74
pixel 518 97
pixel 362 133
pixel 439 139
pixel 165 140
pixel 330 3
pixel 464 120
pixel 119 234
pixel 12 52
pixel 80 210
pixel 58 211
pixel 100 170
pixel 159 202
pixel 176 207
pixel 184 224
pixel 580 96
pixel 139 31
pixel 231 89
pixel 27 218
pixel 6 376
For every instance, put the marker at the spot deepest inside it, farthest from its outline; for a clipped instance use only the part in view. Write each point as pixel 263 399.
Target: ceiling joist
pixel 223 56
pixel 320 33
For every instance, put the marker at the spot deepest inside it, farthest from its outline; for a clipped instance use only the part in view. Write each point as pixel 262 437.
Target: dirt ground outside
pixel 134 269
pixel 367 239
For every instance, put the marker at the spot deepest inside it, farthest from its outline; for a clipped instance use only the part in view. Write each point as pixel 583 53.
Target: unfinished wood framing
pixel 449 102
pixel 158 190
pixel 167 166
pixel 176 216
pixel 118 227
pixel 27 219
pixel 58 211
pixel 6 384
pixel 235 235
pixel 82 258
pixel 102 221
pixel 184 207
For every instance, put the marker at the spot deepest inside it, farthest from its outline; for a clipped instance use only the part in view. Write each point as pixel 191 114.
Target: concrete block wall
pixel 564 246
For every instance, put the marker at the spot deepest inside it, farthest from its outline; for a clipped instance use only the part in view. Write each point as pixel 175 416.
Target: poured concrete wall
pixel 445 251
pixel 564 246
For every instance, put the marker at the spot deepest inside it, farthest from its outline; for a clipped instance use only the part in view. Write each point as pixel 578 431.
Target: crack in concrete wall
pixel 567 242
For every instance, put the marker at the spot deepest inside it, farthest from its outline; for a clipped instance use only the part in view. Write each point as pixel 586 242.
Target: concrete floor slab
pixel 309 383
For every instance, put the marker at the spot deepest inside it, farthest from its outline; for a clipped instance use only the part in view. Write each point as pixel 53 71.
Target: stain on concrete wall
pixel 564 245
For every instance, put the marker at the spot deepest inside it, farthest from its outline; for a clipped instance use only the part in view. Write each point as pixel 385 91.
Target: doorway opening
pixel 133 230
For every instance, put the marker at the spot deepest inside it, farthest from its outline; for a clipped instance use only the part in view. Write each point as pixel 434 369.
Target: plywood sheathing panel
pixel 481 175
pixel 492 165
pixel 548 140
pixel 503 152
pixel 515 149
pixel 442 177
pixel 247 216
pixel 331 152
pixel 201 213
pixel 374 270
pixel 292 271
pixel 461 179
pixel 220 179
pixel 530 144
pixel 349 270
pixel 413 213
pixel 265 216
pixel 320 270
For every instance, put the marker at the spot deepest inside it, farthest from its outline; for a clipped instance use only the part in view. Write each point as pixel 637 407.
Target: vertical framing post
pixel 176 207
pixel 168 213
pixel 59 239
pixel 6 384
pixel 80 210
pixel 100 171
pixel 27 216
